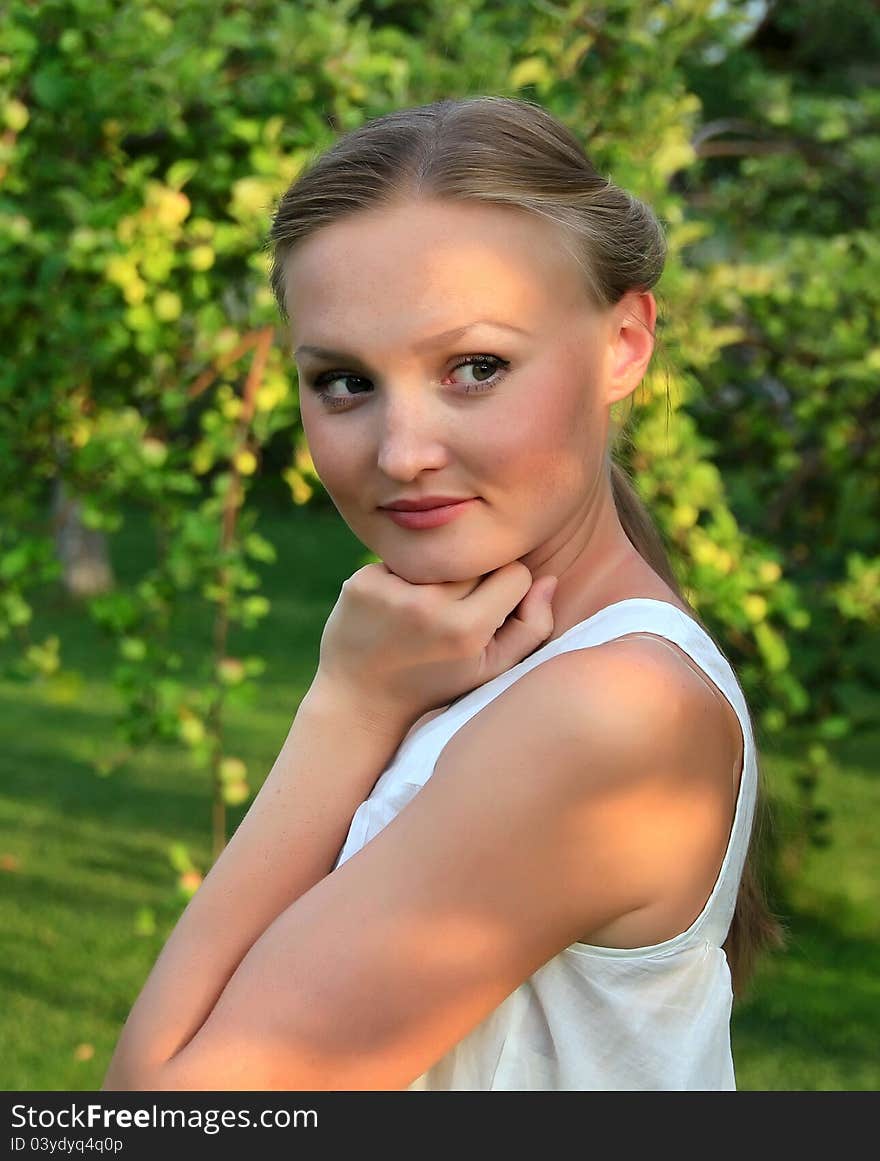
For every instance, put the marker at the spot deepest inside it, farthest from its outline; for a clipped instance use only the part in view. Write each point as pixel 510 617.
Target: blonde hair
pixel 513 152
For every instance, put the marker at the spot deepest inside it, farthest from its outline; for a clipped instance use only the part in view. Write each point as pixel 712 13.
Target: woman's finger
pixel 496 596
pixel 524 631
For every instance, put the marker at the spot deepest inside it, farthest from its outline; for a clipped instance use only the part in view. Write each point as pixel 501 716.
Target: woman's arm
pixel 287 842
pixel 595 790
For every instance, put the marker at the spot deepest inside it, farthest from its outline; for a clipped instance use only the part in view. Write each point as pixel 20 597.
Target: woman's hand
pixel 402 649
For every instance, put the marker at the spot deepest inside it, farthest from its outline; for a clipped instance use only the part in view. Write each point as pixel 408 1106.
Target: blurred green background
pixel 168 557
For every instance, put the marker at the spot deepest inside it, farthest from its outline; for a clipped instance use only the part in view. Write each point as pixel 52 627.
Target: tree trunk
pixel 82 551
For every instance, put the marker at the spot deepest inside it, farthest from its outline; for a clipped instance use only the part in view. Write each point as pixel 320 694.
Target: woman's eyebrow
pixel 423 344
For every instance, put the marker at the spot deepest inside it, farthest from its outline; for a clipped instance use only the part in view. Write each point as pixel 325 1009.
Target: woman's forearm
pixel 287 842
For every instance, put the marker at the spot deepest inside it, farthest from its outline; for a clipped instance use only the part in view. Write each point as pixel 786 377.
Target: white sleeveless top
pixel 655 1017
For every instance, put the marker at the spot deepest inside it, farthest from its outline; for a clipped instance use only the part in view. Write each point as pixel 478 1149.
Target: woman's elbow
pixel 128 1076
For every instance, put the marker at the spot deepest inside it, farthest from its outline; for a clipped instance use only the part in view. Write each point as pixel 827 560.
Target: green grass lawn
pixel 812 1021
pixel 84 857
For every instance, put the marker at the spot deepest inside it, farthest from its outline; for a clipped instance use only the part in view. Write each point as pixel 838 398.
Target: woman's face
pixel 511 411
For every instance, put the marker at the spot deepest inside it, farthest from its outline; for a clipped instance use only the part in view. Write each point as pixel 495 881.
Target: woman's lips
pixel 429 517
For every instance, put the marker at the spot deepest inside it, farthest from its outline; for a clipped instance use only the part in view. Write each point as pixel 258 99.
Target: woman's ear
pixel 631 342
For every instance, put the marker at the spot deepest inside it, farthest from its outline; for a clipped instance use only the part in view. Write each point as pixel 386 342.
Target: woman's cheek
pixel 336 458
pixel 539 437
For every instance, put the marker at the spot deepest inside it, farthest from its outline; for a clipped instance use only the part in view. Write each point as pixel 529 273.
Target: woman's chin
pixel 428 573
pixel 428 576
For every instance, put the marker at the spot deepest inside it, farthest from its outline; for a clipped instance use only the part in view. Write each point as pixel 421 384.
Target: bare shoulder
pixel 634 740
pixel 635 694
pixel 680 689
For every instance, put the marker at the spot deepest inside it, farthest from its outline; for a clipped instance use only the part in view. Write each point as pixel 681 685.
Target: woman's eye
pixel 323 382
pixel 485 371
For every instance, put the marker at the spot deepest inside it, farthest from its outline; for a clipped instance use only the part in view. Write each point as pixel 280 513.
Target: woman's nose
pixel 410 441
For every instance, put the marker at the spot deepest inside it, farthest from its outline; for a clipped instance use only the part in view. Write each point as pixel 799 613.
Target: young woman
pixel 505 843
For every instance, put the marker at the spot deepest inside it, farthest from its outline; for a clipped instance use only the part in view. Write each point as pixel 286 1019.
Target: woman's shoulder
pixel 658 671
pixel 634 694
pixel 641 688
pixel 681 682
pixel 619 733
pixel 708 704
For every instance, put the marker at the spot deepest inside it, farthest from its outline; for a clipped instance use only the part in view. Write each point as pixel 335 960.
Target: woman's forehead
pixel 432 242
pixel 468 261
